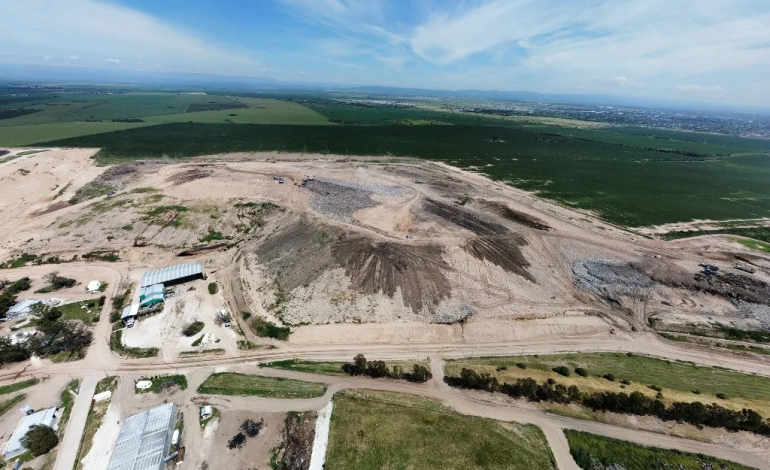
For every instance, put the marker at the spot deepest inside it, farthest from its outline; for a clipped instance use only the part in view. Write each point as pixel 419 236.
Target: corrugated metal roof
pixel 144 439
pixel 150 290
pixel 163 275
pixel 14 446
pixel 152 298
pixel 22 307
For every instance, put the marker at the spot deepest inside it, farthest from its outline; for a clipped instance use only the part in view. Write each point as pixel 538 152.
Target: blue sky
pixel 711 50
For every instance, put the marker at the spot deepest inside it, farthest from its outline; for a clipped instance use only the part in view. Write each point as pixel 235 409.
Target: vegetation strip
pixel 592 452
pixel 15 387
pixel 230 383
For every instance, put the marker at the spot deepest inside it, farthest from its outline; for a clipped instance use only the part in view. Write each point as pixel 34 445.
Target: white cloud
pixel 694 87
pixel 98 32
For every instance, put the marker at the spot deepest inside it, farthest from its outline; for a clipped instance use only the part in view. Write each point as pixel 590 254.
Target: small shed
pixel 20 309
pixel 206 411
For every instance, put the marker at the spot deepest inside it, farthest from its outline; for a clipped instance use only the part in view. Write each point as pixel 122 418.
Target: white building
pixel 20 309
pixel 14 447
pixel 93 287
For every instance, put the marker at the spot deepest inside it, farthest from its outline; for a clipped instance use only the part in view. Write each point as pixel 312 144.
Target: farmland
pixel 628 176
pixel 376 430
pixel 227 383
pixel 627 185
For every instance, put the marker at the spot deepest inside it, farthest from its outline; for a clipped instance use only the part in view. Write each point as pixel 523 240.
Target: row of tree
pixel 636 403
pixel 53 336
pixel 379 369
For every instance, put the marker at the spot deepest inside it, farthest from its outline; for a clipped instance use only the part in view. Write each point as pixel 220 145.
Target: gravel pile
pixel 340 199
pixel 603 277
pixel 759 312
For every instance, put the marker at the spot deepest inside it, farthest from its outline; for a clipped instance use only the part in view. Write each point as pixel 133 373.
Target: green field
pixel 229 383
pixel 18 386
pixel 6 405
pixel 161 381
pixel 757 233
pixel 626 185
pixel 590 449
pixel 670 375
pixel 388 431
pixel 75 311
pixel 628 176
pixel 756 245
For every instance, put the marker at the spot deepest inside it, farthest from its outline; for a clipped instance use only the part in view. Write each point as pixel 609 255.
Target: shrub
pixel 581 372
pixel 521 365
pixel 40 439
pixel 696 392
pixel 246 315
pixel 501 368
pixel 193 328
pixel 266 329
pixel 610 377
pixel 656 388
pixel 237 441
pixel 722 396
pixel 625 382
pixel 561 370
pixel 102 300
pixel 213 288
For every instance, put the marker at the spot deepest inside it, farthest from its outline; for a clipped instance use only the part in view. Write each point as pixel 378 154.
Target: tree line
pixel 379 369
pixel 636 403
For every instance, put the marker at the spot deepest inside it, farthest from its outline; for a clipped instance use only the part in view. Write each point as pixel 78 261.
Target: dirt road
pixel 68 448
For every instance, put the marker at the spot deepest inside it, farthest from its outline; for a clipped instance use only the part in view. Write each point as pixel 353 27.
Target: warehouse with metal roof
pixel 173 275
pixel 145 439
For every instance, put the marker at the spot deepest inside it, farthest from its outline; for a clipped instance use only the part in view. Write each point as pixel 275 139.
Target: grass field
pixel 159 381
pixel 328 368
pixel 75 311
pixel 388 431
pixel 758 233
pixel 588 449
pixel 756 245
pixel 678 379
pixel 229 383
pixel 6 405
pixel 18 386
pixel 12 136
pixel 629 186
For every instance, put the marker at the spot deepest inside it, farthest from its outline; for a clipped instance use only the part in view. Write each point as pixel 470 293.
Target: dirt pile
pixel 495 243
pixel 418 271
pixel 514 216
pixel 609 277
pixel 188 175
pixel 299 434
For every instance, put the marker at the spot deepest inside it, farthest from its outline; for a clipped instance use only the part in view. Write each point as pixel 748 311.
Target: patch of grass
pixel 90 191
pixel 311 367
pixel 66 401
pixel 213 288
pixel 589 448
pixel 229 383
pixel 759 234
pixel 213 235
pixel 198 340
pixel 215 414
pixel 161 382
pixel 670 375
pixel 756 245
pixel 6 405
pixel 76 311
pixel 15 387
pixel 380 430
pixel 117 346
pixel 94 420
pixel 198 353
pixel 266 329
pixel 193 328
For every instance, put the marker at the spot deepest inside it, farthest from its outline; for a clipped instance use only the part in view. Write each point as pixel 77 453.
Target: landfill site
pixel 179 268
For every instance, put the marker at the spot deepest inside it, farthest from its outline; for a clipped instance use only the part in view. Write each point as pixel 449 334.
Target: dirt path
pixel 68 448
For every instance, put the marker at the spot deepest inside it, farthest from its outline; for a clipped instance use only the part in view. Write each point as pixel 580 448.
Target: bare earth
pixel 357 255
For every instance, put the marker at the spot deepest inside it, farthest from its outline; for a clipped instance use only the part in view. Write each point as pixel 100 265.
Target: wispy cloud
pixel 97 32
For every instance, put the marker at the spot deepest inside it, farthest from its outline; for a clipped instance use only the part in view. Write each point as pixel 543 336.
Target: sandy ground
pixel 333 315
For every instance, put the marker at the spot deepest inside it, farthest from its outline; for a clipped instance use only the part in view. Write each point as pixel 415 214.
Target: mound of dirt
pixel 495 243
pixel 188 175
pixel 299 434
pixel 514 216
pixel 603 277
pixel 418 271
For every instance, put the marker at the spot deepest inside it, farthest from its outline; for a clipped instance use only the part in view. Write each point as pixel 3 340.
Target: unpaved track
pixel 68 448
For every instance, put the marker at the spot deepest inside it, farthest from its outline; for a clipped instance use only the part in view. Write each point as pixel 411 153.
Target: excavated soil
pixel 518 217
pixel 298 437
pixel 417 271
pixel 188 176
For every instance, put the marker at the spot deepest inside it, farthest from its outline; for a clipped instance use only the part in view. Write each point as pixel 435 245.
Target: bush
pixel 722 396
pixel 265 329
pixel 246 315
pixel 656 388
pixel 561 370
pixel 610 377
pixel 102 300
pixel 213 288
pixel 521 365
pixel 625 382
pixel 378 369
pixel 581 372
pixel 696 392
pixel 237 441
pixel 193 328
pixel 40 439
